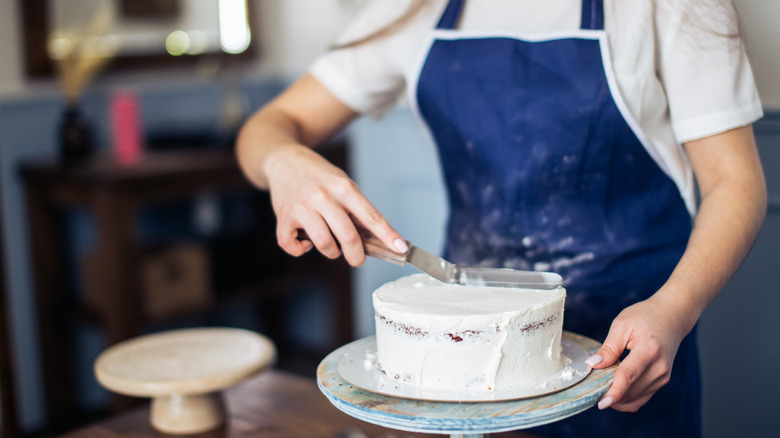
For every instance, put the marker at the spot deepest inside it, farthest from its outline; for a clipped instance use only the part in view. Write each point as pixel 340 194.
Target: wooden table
pixel 274 404
pixel 115 193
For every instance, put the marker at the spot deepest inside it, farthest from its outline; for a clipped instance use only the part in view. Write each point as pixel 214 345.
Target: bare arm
pixel 732 210
pixel 307 192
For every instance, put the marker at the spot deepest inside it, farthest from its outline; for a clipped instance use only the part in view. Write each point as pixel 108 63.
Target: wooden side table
pixel 114 193
pixel 274 404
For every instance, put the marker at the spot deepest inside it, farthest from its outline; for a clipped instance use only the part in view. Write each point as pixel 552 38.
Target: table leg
pixel 118 277
pixel 47 252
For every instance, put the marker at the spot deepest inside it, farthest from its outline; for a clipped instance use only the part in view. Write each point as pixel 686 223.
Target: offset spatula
pixel 450 273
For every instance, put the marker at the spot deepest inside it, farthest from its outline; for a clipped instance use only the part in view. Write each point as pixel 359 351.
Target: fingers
pixel 330 215
pixel 636 380
pixel 369 218
pixel 310 193
pixel 344 210
pixel 287 235
pixel 630 407
pixel 609 354
pixel 628 372
pixel 643 372
pixel 610 351
pixel 342 227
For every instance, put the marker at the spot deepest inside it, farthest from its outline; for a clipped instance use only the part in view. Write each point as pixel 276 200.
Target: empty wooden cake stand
pixel 184 371
pixel 463 419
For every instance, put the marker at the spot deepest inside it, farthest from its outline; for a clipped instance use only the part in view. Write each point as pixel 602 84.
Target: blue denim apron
pixel 545 169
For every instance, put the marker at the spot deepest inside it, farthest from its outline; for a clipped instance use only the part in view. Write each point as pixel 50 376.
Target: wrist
pixel 273 161
pixel 682 303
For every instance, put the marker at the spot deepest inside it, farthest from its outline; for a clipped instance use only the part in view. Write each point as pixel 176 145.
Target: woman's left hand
pixel 652 333
pixel 733 204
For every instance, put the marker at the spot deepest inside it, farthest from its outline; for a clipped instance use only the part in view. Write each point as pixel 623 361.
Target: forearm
pixel 264 134
pixel 305 115
pixel 732 210
pixel 308 192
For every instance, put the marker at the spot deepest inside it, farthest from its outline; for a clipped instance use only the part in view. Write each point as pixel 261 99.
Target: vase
pixel 75 136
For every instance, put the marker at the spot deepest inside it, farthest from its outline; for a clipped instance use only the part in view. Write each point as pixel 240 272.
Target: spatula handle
pixel 376 248
pixel 372 246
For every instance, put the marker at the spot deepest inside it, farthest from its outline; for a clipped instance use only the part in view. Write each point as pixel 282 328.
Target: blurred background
pixel 123 211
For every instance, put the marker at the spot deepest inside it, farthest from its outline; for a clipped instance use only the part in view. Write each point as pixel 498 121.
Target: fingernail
pixel 594 360
pixel 401 245
pixel 605 402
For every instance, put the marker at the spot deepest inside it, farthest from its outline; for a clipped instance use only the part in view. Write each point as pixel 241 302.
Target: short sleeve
pixel 369 77
pixel 704 68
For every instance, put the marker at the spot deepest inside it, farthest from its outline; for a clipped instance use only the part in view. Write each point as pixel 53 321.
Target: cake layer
pixel 435 335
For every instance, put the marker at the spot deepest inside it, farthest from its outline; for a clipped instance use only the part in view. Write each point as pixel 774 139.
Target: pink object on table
pixel 126 127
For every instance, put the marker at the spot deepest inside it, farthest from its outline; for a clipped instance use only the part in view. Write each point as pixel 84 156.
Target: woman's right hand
pixel 308 192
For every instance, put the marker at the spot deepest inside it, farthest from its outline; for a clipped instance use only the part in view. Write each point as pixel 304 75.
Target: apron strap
pixel 592 15
pixel 449 19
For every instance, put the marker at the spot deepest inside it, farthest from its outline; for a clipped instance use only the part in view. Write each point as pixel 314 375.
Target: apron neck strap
pixel 592 15
pixel 449 19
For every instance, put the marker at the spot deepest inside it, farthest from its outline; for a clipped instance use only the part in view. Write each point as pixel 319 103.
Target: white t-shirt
pixel 678 77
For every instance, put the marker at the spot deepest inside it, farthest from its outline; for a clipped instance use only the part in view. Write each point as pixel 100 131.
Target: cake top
pixel 421 294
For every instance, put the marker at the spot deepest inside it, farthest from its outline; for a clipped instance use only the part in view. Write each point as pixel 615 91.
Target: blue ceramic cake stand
pixel 462 419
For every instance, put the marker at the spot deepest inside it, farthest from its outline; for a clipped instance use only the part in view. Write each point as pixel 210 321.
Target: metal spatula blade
pixel 450 273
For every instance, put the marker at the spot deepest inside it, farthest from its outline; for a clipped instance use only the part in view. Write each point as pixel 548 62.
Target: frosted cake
pixel 439 336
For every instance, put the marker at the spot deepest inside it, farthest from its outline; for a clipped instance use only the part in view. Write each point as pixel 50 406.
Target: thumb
pixel 610 351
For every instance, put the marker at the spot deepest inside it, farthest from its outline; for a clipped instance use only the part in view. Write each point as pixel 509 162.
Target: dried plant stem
pixel 85 56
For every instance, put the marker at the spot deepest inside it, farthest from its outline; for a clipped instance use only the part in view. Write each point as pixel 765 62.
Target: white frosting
pixel 435 335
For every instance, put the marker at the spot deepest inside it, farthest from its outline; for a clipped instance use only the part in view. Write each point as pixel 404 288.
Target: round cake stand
pixel 184 371
pixel 463 419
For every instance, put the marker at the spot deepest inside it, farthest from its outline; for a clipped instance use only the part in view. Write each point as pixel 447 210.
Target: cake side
pixel 434 335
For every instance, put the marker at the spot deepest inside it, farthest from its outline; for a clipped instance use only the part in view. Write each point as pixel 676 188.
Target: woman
pixel 569 133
